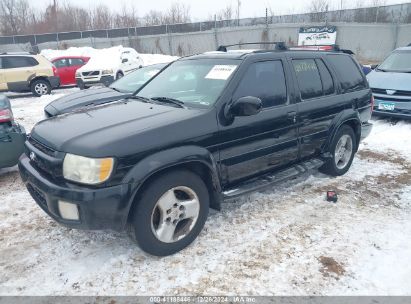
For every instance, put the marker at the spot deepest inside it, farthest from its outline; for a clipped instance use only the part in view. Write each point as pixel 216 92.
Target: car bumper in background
pixel 105 80
pixel 98 208
pixel 366 128
pixel 11 145
pixel 401 106
pixel 54 81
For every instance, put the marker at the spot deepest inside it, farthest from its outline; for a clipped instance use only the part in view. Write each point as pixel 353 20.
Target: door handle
pixel 292 116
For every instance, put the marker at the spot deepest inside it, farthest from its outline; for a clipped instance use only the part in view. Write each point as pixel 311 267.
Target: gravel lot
pixel 285 241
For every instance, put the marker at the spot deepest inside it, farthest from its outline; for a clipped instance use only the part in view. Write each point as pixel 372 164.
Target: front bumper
pixel 105 80
pixel 366 128
pixel 99 208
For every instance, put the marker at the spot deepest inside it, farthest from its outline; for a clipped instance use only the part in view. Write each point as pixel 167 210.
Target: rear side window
pixel 61 63
pixel 12 62
pixel 76 61
pixel 348 72
pixel 308 78
pixel 266 81
pixel 326 78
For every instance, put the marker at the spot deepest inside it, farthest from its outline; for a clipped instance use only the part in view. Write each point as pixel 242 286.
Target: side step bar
pixel 267 180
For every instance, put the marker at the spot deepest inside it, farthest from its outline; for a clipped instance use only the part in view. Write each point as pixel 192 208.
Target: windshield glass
pixel 198 81
pixel 135 80
pixel 397 62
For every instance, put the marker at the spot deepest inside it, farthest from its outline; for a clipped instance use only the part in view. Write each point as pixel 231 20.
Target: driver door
pixel 267 141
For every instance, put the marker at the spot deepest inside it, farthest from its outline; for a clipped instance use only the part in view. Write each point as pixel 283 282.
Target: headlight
pixel 86 170
pixel 78 75
pixel 107 72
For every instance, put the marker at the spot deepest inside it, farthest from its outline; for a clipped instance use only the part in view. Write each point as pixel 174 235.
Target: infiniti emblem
pixel 32 156
pixel 391 92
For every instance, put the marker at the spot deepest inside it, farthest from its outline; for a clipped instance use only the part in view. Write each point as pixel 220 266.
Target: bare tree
pixel 13 16
pixel 225 13
pixel 318 10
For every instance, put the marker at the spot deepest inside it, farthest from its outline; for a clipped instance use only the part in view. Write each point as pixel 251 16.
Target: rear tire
pixel 342 150
pixel 40 87
pixel 171 212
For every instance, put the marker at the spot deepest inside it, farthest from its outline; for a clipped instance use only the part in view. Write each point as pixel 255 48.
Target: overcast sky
pixel 201 9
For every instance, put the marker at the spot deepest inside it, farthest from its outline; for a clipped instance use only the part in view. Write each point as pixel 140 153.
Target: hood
pixel 115 129
pixel 83 98
pixel 390 80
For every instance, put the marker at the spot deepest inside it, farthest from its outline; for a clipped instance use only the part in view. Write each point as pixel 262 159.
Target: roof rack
pixel 279 45
pixel 322 47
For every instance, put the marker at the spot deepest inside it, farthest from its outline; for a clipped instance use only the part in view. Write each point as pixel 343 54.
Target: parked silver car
pixel 391 85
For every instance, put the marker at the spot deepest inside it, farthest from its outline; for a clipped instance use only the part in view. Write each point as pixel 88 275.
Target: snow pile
pixel 105 57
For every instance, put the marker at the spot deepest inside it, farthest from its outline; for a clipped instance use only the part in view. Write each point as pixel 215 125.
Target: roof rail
pixel 279 45
pixel 18 53
pixel 322 47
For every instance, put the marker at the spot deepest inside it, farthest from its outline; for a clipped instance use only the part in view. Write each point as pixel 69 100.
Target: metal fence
pixel 400 13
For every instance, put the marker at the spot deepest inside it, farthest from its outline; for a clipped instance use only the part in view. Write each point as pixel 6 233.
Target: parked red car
pixel 67 67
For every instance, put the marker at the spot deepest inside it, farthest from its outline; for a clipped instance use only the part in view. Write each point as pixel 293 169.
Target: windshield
pixel 135 80
pixel 397 62
pixel 198 81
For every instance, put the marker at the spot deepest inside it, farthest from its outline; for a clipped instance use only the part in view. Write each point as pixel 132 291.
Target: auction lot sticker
pixel 221 72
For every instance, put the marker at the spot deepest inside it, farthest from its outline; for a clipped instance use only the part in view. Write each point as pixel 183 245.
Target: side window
pixel 60 63
pixel 265 80
pixel 348 72
pixel 308 78
pixel 326 78
pixel 13 62
pixel 75 61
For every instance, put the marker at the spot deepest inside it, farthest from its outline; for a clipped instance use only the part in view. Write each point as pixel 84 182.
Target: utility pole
pixel 238 12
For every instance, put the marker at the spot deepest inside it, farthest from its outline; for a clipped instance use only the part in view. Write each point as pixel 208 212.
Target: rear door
pixel 63 70
pixel 74 64
pixel 266 141
pixel 318 102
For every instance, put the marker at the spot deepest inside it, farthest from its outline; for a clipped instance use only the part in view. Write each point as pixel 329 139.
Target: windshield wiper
pixel 169 100
pixel 141 98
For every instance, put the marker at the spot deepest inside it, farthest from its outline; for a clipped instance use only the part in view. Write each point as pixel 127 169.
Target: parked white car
pixel 108 66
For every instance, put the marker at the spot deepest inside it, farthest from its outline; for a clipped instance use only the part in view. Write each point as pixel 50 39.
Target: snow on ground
pixel 105 57
pixel 285 241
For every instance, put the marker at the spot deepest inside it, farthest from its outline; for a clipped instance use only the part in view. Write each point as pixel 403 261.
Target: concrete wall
pixel 370 42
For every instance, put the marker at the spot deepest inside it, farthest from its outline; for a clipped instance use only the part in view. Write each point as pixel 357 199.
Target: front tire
pixel 342 150
pixel 171 212
pixel 40 87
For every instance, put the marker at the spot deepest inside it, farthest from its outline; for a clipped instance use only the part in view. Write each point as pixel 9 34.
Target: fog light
pixel 68 211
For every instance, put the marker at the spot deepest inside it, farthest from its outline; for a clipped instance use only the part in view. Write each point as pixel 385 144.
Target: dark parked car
pixel 207 128
pixel 391 85
pixel 12 135
pixel 119 89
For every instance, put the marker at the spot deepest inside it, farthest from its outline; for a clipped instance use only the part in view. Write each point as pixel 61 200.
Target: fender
pixel 346 116
pixel 170 158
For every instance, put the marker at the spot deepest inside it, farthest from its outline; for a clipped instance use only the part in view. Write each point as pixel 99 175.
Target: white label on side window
pixel 221 72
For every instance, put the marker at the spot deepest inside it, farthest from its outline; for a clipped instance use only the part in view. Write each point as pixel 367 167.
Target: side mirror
pixel 246 106
pixel 124 60
pixel 374 66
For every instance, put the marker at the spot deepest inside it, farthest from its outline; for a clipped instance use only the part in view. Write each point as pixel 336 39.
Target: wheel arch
pixel 195 159
pixel 349 118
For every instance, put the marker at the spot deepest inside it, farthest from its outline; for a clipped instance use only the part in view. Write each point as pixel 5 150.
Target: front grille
pixel 397 93
pixel 37 195
pixel 42 147
pixel 93 73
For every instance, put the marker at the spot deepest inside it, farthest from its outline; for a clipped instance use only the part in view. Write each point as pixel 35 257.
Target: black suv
pixel 208 128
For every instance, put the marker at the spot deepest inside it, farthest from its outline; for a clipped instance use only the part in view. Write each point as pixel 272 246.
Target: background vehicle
pixel 391 85
pixel 22 72
pixel 106 68
pixel 12 135
pixel 67 68
pixel 207 128
pixel 119 89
